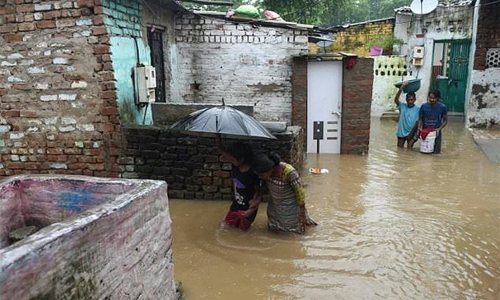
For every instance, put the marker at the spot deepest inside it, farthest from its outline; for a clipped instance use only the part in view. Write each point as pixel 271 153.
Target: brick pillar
pixel 356 106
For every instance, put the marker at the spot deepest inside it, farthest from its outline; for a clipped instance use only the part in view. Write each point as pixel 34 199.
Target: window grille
pixel 493 58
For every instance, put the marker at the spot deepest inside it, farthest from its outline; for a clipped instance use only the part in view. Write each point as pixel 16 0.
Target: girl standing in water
pixel 246 185
pixel 286 210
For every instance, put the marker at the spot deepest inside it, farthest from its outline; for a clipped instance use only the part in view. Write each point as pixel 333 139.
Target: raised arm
pixel 223 151
pixel 398 94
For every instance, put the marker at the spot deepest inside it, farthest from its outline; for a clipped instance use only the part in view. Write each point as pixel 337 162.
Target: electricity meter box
pixel 418 56
pixel 145 80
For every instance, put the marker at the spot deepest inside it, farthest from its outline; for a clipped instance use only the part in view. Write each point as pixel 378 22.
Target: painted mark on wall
pixel 75 201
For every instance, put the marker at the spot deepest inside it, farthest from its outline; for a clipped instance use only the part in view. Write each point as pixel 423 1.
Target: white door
pixel 324 103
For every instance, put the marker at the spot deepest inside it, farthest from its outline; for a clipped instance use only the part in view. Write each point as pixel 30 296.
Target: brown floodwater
pixel 393 224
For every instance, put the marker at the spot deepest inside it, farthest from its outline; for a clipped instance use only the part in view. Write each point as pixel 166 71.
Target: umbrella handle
pixel 217 124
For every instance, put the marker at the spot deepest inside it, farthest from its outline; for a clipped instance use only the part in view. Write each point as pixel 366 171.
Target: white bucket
pixel 427 145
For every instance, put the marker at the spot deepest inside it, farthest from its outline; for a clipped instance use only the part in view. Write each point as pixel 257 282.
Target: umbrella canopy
pixel 223 120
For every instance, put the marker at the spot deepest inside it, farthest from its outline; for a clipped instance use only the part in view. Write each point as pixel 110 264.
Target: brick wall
pixel 58 104
pixel 241 63
pixel 356 106
pixel 487 30
pixel 192 166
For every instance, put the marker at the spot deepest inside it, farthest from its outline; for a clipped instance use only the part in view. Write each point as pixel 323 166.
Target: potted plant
pixel 383 44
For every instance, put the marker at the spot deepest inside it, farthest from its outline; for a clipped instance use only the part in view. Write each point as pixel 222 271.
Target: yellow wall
pixel 356 37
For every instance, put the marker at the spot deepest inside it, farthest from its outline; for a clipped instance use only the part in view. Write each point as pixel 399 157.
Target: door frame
pixel 331 127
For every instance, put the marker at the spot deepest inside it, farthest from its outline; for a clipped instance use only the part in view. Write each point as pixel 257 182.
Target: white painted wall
pixel 240 63
pixel 484 103
pixel 388 70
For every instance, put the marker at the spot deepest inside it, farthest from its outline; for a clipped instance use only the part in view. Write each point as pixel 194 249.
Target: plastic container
pixel 318 171
pixel 412 87
pixel 427 145
pixel 375 51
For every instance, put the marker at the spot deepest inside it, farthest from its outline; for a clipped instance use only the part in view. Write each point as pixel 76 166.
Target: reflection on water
pixel 394 224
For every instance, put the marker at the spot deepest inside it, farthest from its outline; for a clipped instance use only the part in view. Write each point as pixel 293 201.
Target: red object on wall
pixel 350 62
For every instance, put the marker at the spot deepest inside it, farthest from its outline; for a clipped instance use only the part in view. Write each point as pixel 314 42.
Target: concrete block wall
pixel 238 62
pixel 97 239
pixel 58 111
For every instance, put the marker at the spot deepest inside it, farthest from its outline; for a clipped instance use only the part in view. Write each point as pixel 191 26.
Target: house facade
pixel 437 48
pixel 453 48
pixel 69 93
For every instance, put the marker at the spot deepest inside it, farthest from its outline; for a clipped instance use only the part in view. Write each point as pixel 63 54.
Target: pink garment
pixel 424 132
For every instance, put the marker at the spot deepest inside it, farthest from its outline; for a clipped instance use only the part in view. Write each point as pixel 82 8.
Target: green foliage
pixel 303 11
pixel 325 13
pixel 219 8
pixel 385 41
pixel 328 13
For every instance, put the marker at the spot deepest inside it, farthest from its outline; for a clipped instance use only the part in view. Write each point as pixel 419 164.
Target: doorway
pixel 450 72
pixel 324 106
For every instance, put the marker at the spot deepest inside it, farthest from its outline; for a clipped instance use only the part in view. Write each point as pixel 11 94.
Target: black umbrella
pixel 224 120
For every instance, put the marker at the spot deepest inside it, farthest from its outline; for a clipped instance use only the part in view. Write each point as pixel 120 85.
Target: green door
pixel 452 83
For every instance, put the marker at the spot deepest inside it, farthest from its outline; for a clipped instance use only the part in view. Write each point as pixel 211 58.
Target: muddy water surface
pixel 393 224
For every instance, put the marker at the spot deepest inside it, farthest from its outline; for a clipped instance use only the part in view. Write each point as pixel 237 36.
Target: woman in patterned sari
pixel 286 210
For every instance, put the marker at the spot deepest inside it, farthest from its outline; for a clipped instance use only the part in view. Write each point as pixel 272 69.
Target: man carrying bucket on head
pixel 433 118
pixel 408 118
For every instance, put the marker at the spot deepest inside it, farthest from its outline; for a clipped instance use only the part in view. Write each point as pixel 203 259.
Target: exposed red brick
pixel 25 8
pixel 108 86
pixel 77 166
pixel 10 114
pixel 107 66
pixel 98 20
pixel 8 28
pixel 73 151
pixel 53 14
pixel 73 77
pixel 29 114
pixel 9 19
pixel 62 35
pixel 106 57
pixel 98 10
pixel 105 127
pixel 45 24
pixel 21 87
pixel 65 23
pixel 96 167
pixel 7 10
pixel 31 166
pixel 87 159
pixel 15 165
pixel 99 30
pixel 107 95
pixel 29 18
pixel 102 49
pixel 70 13
pixel 107 76
pixel 92 152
